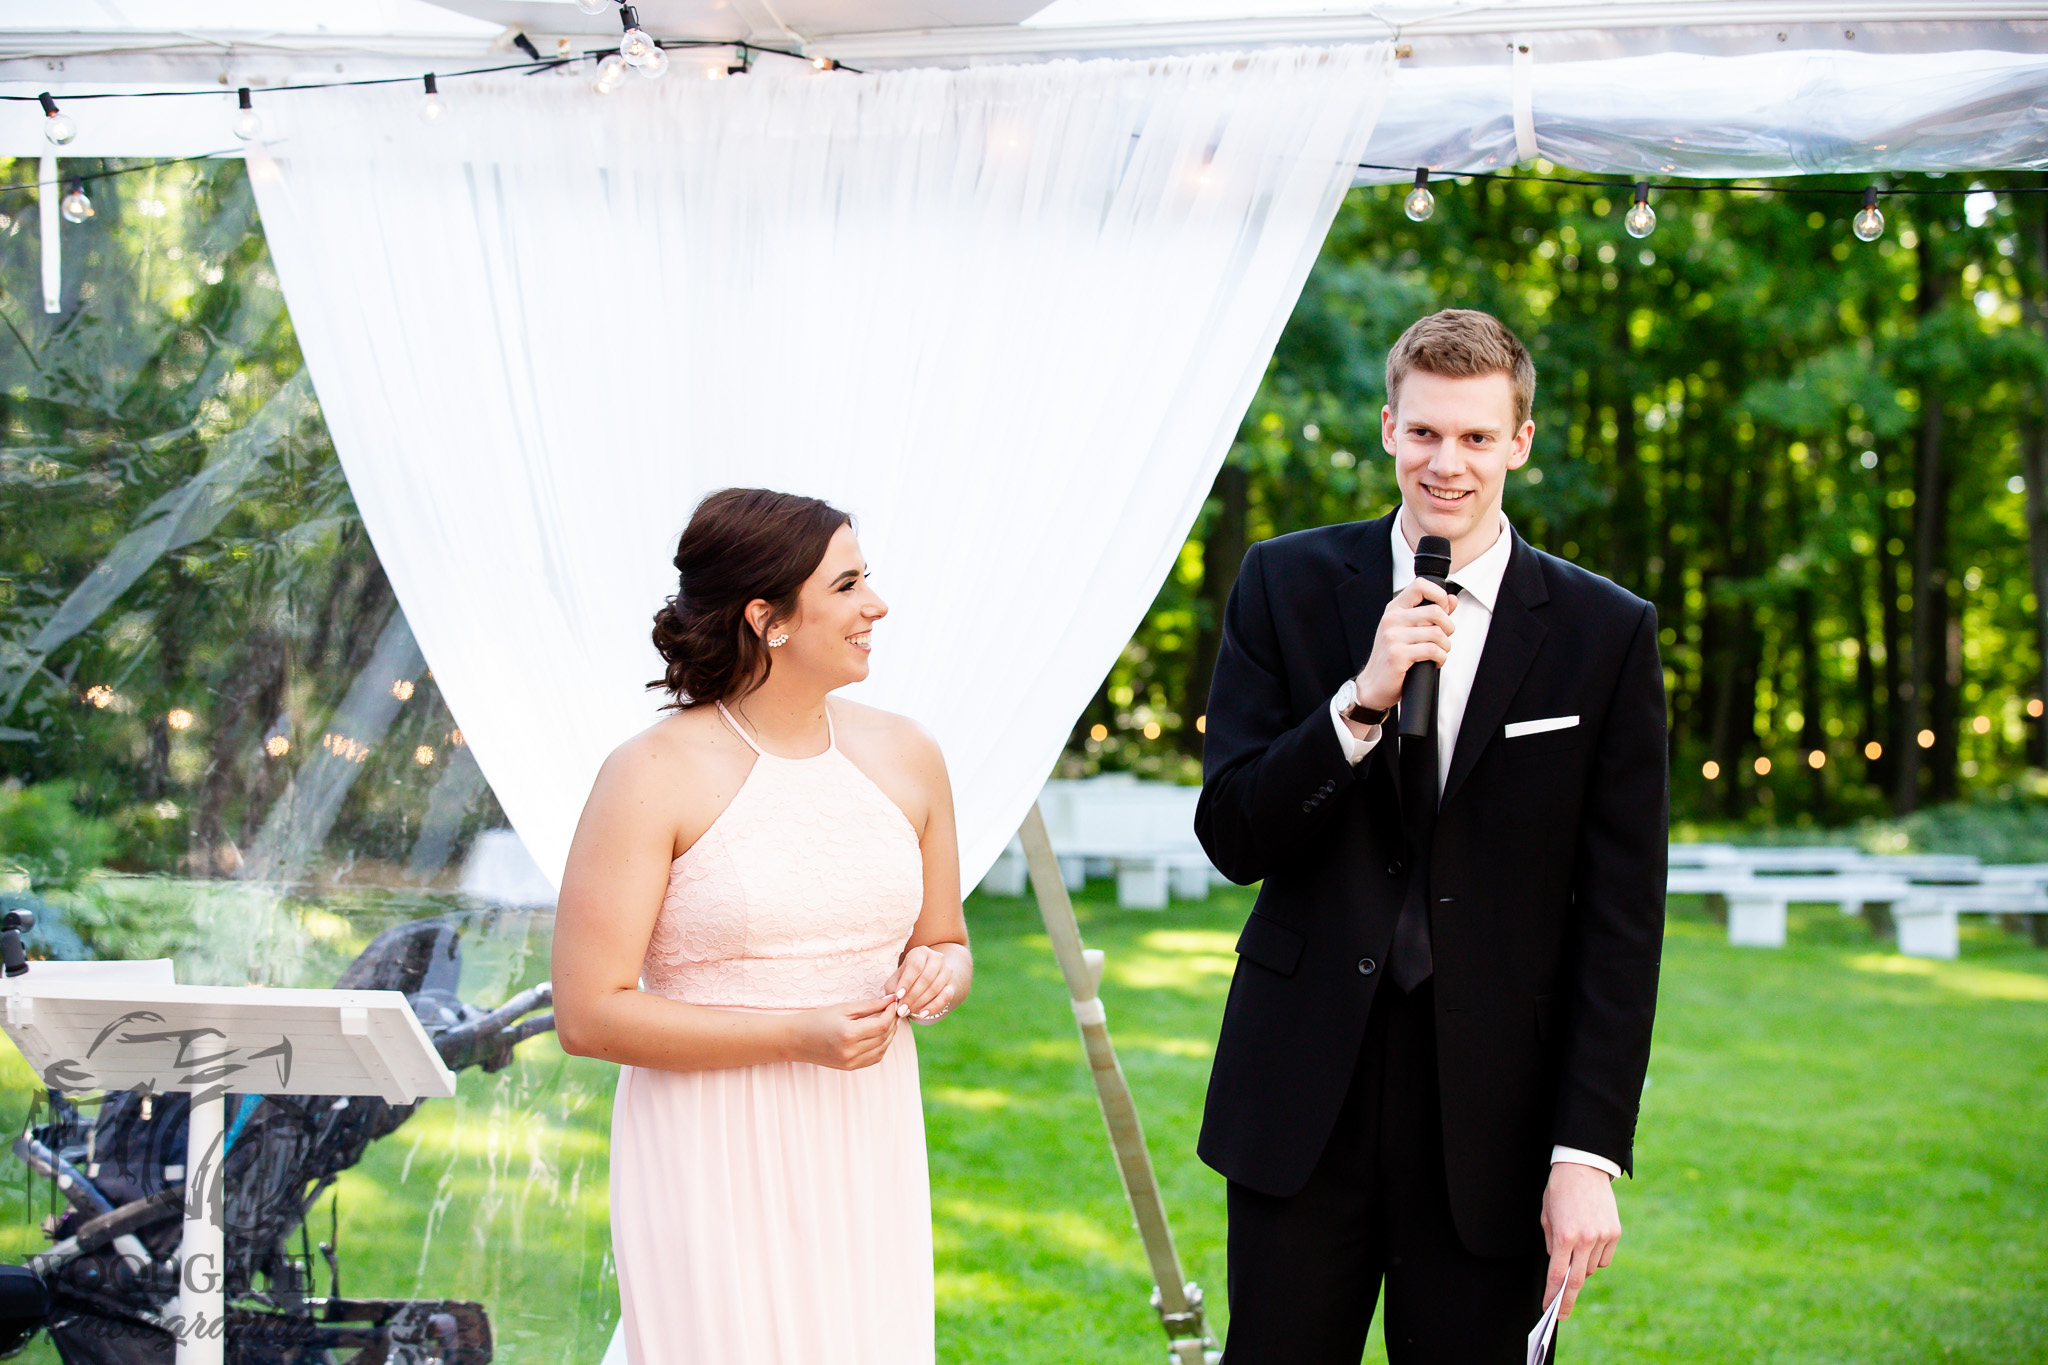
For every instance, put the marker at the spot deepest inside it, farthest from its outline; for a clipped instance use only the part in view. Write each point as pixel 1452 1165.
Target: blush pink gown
pixel 780 1214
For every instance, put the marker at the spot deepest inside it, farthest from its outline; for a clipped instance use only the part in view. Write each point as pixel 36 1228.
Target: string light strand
pixel 747 50
pixel 1705 186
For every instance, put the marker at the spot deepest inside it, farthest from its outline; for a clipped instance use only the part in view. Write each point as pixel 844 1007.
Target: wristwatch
pixel 1359 714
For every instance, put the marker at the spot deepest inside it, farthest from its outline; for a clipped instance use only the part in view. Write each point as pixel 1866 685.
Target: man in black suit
pixel 1435 1042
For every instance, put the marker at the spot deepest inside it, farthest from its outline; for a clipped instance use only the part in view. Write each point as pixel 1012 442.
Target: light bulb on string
pixel 611 73
pixel 1641 219
pixel 635 44
pixel 825 63
pixel 248 123
pixel 1869 224
pixel 58 128
pixel 656 66
pixel 434 108
pixel 1420 203
pixel 75 207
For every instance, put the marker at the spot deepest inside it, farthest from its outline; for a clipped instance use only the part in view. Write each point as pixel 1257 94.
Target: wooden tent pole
pixel 1177 1300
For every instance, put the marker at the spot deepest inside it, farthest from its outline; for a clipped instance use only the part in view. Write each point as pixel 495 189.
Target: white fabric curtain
pixel 1009 318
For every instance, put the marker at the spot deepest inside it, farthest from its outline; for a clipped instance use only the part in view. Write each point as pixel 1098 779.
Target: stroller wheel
pixel 24 1307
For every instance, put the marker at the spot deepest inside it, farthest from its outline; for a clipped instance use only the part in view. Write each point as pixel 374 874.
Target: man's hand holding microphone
pixel 1415 629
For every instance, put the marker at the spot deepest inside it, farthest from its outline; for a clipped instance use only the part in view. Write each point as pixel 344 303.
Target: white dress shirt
pixel 1478 589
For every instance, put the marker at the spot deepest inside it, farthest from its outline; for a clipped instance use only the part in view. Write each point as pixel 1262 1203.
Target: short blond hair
pixel 1458 343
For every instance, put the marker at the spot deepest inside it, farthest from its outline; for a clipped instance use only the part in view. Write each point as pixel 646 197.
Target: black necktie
pixel 1412 962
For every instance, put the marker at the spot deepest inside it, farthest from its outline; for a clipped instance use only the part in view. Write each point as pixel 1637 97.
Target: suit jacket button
pixel 1366 966
pixel 1394 868
pixel 1307 806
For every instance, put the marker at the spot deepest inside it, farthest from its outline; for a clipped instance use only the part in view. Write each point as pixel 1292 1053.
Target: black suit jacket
pixel 1546 874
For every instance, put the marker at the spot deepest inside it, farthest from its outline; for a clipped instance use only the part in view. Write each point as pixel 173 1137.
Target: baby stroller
pixel 110 1280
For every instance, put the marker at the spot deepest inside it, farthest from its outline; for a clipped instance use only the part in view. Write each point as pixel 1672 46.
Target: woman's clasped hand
pixel 924 985
pixel 858 1033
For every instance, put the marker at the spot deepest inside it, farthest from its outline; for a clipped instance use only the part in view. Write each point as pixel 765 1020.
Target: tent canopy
pixel 1653 88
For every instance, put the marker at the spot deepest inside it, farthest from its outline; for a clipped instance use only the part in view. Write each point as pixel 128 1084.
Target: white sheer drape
pixel 1009 318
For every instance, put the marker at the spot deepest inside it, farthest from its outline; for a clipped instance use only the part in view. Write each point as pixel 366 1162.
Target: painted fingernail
pixel 902 1010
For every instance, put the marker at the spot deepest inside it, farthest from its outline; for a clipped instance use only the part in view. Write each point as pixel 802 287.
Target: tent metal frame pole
pixel 1176 1299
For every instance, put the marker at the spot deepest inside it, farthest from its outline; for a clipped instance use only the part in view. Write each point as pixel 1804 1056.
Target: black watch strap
pixel 1359 714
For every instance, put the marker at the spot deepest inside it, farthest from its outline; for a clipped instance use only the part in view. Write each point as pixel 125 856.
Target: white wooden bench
pixel 1757 906
pixel 1922 894
pixel 1927 921
pixel 1142 833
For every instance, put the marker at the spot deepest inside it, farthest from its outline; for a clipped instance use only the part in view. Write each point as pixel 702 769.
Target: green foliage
pixel 1736 418
pixel 186 589
pixel 43 834
pixel 2009 829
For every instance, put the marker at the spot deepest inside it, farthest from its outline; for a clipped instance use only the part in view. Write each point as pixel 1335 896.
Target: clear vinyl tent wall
pixel 219 742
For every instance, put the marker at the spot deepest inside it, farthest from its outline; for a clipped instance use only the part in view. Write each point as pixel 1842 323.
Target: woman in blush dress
pixel 763 889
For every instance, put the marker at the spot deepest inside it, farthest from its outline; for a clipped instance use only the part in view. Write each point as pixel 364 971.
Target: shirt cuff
pixel 1579 1158
pixel 1354 747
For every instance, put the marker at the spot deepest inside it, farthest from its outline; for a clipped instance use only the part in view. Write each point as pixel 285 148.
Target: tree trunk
pixel 1873 729
pixel 1929 676
pixel 1222 554
pixel 1812 733
pixel 1628 548
pixel 1898 715
pixel 2034 451
pixel 1743 742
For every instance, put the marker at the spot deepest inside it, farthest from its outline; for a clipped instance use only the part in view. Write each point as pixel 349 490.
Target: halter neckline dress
pixel 780 1214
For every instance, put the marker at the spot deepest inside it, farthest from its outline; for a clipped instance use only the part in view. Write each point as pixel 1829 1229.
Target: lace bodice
pixel 802 893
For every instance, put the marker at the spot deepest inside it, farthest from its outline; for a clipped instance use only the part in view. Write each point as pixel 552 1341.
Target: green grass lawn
pixel 1844 1156
pixel 1844 1153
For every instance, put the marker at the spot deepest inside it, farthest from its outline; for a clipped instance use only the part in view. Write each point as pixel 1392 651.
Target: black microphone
pixel 1418 689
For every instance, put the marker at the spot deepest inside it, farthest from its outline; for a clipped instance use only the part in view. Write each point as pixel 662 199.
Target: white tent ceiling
pixel 1645 87
pixel 97 38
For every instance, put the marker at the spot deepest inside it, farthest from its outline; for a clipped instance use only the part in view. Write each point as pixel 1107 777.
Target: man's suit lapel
pixel 1361 600
pixel 1511 644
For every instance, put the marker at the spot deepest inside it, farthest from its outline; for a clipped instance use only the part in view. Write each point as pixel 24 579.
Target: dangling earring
pixel 777 641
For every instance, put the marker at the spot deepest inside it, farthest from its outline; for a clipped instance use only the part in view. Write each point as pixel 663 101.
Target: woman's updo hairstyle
pixel 741 544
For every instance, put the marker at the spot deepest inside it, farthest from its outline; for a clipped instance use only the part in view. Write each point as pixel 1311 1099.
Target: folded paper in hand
pixel 1545 1328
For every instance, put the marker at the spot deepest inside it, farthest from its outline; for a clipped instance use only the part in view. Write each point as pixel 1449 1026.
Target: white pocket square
pixel 1537 727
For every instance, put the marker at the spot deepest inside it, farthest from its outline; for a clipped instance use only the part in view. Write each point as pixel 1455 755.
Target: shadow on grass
pixel 1841 1149
pixel 1841 1156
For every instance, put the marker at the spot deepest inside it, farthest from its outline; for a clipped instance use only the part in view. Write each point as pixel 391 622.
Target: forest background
pixel 1823 459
